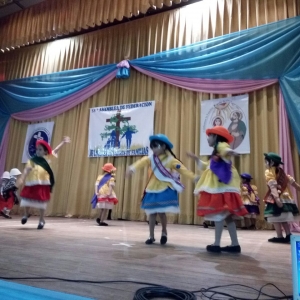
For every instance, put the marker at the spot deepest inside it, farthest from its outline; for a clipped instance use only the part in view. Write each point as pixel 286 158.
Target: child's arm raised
pixel 201 164
pixel 65 140
pixel 141 163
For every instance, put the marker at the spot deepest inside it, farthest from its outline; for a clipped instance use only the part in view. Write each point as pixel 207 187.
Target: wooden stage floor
pixel 79 249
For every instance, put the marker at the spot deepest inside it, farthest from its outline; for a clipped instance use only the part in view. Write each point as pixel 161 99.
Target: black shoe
pixel 205 225
pixel 280 240
pixel 288 239
pixel 24 220
pixel 150 241
pixel 213 248
pixel 41 225
pixel 231 249
pixel 163 239
pixel 244 228
pixel 5 215
pixel 98 221
pixel 103 224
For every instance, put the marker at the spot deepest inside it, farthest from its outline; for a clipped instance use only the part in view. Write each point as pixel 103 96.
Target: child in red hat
pixel 39 180
pixel 105 196
pixel 219 189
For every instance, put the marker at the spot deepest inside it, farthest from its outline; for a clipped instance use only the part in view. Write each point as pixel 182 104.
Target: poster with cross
pixel 35 132
pixel 121 130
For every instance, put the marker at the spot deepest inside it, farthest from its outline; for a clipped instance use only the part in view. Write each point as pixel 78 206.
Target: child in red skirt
pixel 9 193
pixel 219 189
pixel 4 180
pixel 105 197
pixel 39 180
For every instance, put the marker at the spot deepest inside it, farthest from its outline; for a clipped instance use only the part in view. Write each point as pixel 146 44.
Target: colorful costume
pixel 161 193
pixel 106 197
pixel 39 182
pixel 278 185
pixel 250 197
pixel 8 192
pixel 219 185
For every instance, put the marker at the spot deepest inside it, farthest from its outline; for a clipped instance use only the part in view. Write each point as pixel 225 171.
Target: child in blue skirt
pixel 161 194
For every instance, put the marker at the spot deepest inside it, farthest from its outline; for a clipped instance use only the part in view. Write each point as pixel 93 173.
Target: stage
pixel 81 250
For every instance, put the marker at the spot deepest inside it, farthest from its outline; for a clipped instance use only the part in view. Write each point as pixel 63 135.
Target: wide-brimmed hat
pixel 44 143
pixel 161 138
pixel 274 157
pixel 222 131
pixel 15 172
pixel 246 176
pixel 109 168
pixel 5 175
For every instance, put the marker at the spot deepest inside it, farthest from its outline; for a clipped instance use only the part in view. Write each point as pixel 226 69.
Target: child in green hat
pixel 281 208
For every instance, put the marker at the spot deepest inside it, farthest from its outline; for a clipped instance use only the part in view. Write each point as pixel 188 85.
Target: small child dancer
pixel 280 206
pixel 9 193
pixel 4 180
pixel 39 180
pixel 105 196
pixel 161 193
pixel 251 201
pixel 219 189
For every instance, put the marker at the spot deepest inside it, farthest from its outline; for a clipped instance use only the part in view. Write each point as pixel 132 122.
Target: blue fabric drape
pixel 270 51
pixel 262 52
pixel 290 87
pixel 28 93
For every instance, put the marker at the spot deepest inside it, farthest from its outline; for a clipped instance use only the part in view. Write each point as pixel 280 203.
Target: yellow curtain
pixel 192 23
pixel 177 111
pixel 50 19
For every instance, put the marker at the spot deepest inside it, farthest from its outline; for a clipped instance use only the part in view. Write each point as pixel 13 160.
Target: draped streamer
pixel 211 85
pixel 38 98
pixel 264 52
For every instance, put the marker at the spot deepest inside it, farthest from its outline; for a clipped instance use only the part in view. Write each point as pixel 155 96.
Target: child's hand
pixel 192 155
pixel 28 169
pixel 129 173
pixel 66 139
pixel 233 153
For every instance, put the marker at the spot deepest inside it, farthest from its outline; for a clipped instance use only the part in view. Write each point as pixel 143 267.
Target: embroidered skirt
pixel 36 196
pixel 106 202
pixel 288 213
pixel 217 207
pixel 162 202
pixel 253 211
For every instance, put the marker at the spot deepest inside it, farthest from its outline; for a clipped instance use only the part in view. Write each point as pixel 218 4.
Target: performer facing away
pixel 251 201
pixel 219 189
pixel 39 180
pixel 105 197
pixel 280 206
pixel 161 193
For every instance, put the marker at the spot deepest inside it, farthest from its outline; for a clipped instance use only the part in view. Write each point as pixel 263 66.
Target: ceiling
pixel 8 7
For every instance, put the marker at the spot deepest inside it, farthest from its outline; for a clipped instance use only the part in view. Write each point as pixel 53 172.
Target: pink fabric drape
pixel 52 110
pixel 64 104
pixel 285 150
pixel 211 85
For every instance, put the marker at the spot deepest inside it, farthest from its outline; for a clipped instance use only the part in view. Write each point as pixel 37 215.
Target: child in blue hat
pixel 251 201
pixel 281 208
pixel 161 193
